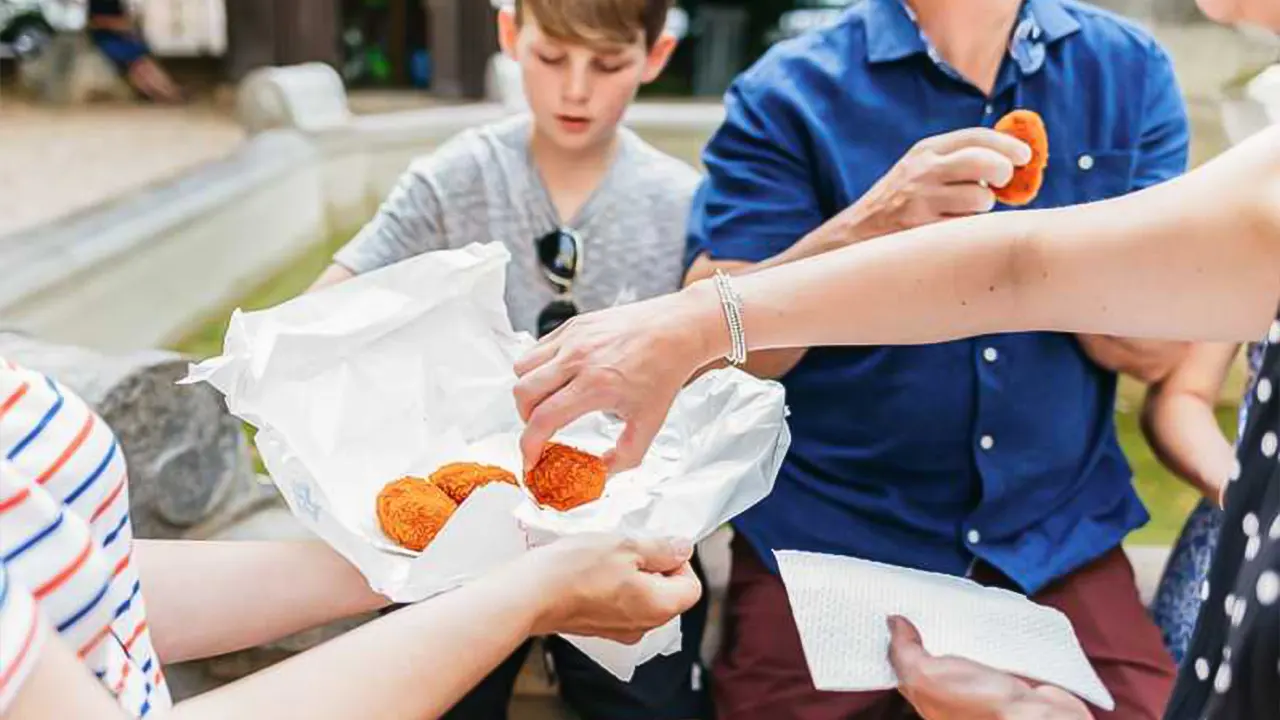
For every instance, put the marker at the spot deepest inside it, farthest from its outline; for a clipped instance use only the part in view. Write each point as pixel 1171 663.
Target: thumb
pixel 663 556
pixel 906 648
pixel 670 595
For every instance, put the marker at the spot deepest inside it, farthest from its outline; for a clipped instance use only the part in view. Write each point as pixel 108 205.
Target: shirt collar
pixel 892 32
pixel 1052 17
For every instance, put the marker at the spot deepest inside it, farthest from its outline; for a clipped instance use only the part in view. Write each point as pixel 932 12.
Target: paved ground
pixel 55 162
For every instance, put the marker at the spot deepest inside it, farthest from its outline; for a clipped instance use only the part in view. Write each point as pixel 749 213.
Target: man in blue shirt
pixel 994 458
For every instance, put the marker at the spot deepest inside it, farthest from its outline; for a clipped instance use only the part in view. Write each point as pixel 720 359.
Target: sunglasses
pixel 560 255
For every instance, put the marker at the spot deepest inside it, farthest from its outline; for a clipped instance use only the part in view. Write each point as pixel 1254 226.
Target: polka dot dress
pixel 1232 668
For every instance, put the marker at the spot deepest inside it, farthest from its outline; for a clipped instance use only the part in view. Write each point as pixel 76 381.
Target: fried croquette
pixel 1027 126
pixel 412 511
pixel 566 477
pixel 459 480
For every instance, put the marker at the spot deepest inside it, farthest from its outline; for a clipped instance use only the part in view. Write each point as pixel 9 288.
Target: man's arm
pixel 1162 154
pixel 759 196
pixel 1179 421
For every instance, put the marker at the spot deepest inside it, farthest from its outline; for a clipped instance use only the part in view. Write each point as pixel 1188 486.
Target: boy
pixel 593 216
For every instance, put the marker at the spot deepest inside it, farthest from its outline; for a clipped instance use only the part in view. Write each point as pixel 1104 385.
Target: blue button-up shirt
pixel 1001 448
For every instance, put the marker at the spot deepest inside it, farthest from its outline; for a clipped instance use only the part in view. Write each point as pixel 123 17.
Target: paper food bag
pixel 407 368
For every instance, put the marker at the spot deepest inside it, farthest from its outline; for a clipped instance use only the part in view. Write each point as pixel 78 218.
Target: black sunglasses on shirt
pixel 560 255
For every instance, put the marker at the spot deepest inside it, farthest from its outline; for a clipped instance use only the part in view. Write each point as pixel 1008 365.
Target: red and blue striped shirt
pixel 66 543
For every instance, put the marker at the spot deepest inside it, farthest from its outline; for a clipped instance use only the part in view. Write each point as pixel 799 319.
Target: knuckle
pixel 522 395
pixel 926 145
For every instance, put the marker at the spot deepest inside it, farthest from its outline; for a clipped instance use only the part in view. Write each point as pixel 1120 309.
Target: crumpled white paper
pixel 842 605
pixel 404 369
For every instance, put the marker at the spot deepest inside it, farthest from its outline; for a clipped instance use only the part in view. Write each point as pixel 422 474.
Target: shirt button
pixel 974 537
pixel 987 442
pixel 990 354
pixel 987 109
pixel 1085 162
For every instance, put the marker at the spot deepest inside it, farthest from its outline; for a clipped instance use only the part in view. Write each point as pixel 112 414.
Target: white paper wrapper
pixel 842 605
pixel 402 370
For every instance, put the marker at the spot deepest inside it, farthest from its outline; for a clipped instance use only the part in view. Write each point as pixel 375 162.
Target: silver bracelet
pixel 731 303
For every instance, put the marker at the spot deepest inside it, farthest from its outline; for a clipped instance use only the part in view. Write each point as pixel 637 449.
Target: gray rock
pixel 191 475
pixel 188 459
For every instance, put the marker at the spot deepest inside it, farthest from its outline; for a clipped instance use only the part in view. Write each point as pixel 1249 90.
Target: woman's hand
pixel 629 361
pixel 957 689
pixel 611 587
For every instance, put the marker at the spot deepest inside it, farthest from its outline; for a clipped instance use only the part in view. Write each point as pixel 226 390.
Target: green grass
pixel 204 340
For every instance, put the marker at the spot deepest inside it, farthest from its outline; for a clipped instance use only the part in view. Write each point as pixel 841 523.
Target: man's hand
pixel 941 177
pixel 957 689
pixel 1147 361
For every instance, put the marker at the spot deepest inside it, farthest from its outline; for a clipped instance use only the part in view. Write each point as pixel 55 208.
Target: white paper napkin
pixel 842 604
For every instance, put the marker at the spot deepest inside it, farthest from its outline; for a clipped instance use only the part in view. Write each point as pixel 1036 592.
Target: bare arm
pixel 245 598
pixel 1178 419
pixel 1196 258
pixel 332 275
pixel 941 177
pixel 418 662
pixel 767 364
pixel 1147 361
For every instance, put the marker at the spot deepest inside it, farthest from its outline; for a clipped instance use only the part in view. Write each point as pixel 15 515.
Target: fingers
pixel 962 200
pixel 665 556
pixel 634 442
pixel 976 165
pixel 1018 152
pixel 1063 699
pixel 548 417
pixel 535 386
pixel 906 650
pixel 670 595
pixel 541 354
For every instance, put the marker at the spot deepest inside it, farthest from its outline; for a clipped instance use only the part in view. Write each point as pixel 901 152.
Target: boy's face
pixel 578 93
pixel 1263 13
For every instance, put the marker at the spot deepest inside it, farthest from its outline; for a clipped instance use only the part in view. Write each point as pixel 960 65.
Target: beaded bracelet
pixel 731 303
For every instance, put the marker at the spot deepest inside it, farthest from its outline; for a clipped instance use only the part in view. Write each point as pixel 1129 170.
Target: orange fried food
pixel 458 480
pixel 412 511
pixel 566 477
pixel 1028 127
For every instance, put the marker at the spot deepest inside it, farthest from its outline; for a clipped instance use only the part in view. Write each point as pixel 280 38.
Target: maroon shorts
pixel 761 673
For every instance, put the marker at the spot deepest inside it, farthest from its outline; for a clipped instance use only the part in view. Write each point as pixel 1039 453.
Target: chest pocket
pixel 1099 174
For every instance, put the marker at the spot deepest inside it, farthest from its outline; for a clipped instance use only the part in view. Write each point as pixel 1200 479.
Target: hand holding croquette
pixel 1022 188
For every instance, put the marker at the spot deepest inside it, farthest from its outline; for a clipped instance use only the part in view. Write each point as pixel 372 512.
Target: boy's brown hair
pixel 597 22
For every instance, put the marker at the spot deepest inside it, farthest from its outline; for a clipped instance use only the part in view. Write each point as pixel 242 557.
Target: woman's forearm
pixel 414 663
pixel 1194 258
pixel 245 593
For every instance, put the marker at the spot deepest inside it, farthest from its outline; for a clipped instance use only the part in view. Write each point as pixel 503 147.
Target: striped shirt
pixel 66 544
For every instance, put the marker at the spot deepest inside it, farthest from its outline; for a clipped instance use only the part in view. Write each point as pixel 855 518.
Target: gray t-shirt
pixel 482 186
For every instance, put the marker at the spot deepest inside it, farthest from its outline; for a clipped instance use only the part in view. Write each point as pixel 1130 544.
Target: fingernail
pixel 894 622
